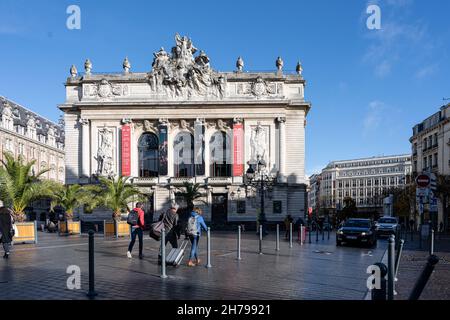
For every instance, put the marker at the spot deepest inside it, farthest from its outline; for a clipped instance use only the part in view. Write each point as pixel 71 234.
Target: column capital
pixel 200 121
pixel 281 119
pixel 164 121
pixel 237 120
pixel 84 121
pixel 126 121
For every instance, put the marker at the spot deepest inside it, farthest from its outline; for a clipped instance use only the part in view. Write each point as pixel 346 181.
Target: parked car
pixel 357 231
pixel 387 226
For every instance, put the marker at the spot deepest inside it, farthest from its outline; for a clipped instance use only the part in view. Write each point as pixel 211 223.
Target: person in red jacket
pixel 137 230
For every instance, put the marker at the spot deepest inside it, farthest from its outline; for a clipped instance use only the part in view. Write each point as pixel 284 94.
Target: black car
pixel 361 231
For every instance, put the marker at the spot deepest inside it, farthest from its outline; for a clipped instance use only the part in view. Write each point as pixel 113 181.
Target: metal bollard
pixel 277 248
pixel 328 232
pixel 423 278
pixel 239 244
pixel 317 232
pixel 323 234
pixel 290 235
pixel 260 239
pixel 412 233
pixel 163 254
pixel 432 242
pixel 397 259
pixel 91 294
pixel 391 267
pixel 208 248
pixel 380 294
pixel 309 233
pixel 301 235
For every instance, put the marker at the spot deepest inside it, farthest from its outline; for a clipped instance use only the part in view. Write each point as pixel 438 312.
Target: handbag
pixel 156 229
pixel 14 231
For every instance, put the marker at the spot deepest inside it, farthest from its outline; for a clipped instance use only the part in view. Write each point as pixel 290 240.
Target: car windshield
pixel 387 220
pixel 357 224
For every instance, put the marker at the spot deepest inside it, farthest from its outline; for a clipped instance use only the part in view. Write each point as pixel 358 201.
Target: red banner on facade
pixel 126 150
pixel 238 160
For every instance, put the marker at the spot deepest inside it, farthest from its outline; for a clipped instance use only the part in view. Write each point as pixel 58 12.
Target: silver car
pixel 387 226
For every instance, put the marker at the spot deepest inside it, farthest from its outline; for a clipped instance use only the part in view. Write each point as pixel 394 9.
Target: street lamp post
pixel 260 180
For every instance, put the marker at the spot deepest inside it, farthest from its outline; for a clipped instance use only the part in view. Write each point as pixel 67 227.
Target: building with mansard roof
pixel 29 135
pixel 181 122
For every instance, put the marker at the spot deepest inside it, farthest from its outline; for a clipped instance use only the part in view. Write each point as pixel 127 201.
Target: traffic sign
pixel 423 181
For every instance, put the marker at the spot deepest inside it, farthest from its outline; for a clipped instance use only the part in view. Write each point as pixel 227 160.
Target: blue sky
pixel 367 87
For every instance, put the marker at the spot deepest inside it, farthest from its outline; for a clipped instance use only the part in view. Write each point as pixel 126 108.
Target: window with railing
pixel 220 155
pixel 148 155
pixel 184 155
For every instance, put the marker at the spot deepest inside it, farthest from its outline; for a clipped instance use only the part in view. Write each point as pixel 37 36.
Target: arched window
pixel 183 155
pixel 220 159
pixel 148 155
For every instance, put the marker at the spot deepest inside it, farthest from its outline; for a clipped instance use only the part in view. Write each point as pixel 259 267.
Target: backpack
pixel 192 226
pixel 133 218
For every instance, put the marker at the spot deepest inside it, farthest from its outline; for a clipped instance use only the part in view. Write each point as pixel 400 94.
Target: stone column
pixel 85 151
pixel 282 150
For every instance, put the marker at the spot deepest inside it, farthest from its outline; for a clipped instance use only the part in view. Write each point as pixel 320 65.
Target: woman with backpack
pixel 6 229
pixel 136 220
pixel 194 231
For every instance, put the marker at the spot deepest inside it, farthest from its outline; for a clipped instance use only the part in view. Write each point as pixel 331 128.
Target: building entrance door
pixel 219 210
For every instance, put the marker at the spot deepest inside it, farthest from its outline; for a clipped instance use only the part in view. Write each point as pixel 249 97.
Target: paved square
pixel 313 271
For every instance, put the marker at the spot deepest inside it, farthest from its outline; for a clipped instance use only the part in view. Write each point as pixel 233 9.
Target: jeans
pixel 7 247
pixel 194 247
pixel 139 233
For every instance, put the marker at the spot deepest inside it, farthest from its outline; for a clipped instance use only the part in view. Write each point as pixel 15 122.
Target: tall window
pixel 148 155
pixel 183 155
pixel 220 160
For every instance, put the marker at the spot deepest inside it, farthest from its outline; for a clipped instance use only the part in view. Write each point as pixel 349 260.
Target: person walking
pixel 287 222
pixel 171 226
pixel 137 229
pixel 6 229
pixel 194 230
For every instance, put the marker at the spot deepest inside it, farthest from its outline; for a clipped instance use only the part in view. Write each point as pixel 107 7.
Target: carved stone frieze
pixel 104 89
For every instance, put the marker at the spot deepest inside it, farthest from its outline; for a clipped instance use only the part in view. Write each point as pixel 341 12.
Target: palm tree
pixel 70 197
pixel 19 186
pixel 191 194
pixel 115 194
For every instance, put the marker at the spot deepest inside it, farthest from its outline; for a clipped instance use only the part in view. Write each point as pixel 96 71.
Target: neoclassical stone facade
pixel 31 136
pixel 183 121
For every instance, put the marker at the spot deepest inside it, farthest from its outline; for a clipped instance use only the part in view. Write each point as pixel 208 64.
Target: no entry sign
pixel 423 181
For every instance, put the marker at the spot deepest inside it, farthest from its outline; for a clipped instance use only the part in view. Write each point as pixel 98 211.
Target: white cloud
pixel 401 39
pixel 8 30
pixel 374 117
pixel 426 71
pixel 383 69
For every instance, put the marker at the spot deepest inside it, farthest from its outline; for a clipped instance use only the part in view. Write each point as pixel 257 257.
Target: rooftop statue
pixel 73 71
pixel 183 75
pixel 239 64
pixel 279 63
pixel 88 66
pixel 126 65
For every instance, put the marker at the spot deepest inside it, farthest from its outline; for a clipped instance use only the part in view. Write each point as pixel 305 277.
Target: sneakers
pixel 141 256
pixel 6 255
pixel 198 262
pixel 129 254
pixel 191 264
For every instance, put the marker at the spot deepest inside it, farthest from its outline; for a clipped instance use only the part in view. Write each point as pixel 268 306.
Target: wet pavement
pixel 319 270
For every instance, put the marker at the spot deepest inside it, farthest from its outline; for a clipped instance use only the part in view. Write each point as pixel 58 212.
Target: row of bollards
pixel 391 271
pixel 163 274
